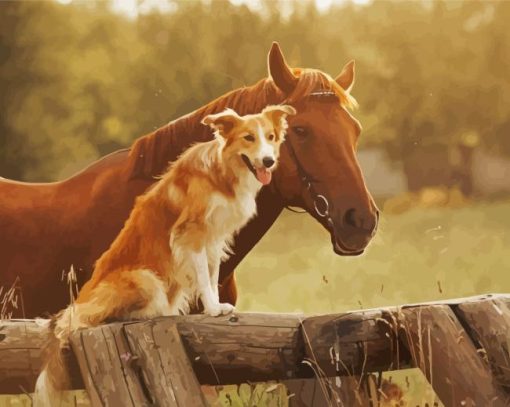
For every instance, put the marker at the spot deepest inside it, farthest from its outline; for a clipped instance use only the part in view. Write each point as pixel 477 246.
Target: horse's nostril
pixel 268 162
pixel 350 217
pixel 361 220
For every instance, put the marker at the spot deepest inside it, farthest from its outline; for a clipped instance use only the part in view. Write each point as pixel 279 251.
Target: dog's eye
pixel 301 131
pixel 271 137
pixel 249 137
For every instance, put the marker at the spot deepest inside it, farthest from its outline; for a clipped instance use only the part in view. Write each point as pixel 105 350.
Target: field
pixel 421 255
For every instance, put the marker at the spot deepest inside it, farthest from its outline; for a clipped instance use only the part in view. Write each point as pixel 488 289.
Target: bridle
pixel 320 202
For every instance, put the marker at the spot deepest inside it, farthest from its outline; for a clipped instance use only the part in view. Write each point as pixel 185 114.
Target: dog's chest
pixel 227 215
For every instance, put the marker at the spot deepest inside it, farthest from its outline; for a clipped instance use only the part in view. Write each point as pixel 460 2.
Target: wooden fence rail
pixel 462 347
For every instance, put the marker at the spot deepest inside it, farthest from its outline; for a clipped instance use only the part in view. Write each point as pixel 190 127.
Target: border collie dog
pixel 169 251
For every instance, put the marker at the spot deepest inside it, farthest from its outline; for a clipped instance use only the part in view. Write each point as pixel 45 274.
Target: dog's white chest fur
pixel 227 215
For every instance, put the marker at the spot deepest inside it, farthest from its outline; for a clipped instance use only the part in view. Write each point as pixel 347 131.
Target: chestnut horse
pixel 46 228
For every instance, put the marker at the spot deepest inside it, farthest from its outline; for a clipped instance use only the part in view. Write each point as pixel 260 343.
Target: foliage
pixel 79 81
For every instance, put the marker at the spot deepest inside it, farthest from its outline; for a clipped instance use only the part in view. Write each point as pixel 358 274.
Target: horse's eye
pixel 301 131
pixel 271 137
pixel 249 137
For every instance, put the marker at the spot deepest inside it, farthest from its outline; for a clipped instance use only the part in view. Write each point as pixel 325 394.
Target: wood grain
pixel 170 378
pixel 442 349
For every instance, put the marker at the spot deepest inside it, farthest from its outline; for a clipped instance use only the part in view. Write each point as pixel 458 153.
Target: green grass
pixel 422 255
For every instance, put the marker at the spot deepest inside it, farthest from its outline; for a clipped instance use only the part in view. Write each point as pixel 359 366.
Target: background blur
pixel 81 79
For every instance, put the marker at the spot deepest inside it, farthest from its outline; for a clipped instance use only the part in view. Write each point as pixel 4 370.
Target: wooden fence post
pixel 168 372
pixel 20 353
pixel 442 349
pixel 489 325
pixel 106 367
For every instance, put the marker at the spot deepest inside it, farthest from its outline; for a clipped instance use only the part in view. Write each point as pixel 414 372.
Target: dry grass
pixel 11 299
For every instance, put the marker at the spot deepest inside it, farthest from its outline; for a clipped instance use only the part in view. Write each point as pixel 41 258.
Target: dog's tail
pixel 103 302
pixel 54 377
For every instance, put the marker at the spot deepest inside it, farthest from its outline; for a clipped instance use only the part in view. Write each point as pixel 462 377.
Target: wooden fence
pixel 461 346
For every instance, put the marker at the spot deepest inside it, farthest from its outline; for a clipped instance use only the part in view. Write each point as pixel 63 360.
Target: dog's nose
pixel 268 162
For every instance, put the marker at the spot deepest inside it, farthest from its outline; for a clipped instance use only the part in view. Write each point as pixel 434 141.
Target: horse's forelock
pixel 313 80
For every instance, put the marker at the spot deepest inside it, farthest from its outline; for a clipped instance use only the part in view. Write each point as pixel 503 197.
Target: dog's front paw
pixel 226 308
pixel 219 309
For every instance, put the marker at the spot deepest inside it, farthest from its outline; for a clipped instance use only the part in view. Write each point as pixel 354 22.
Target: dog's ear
pixel 279 110
pixel 277 114
pixel 222 122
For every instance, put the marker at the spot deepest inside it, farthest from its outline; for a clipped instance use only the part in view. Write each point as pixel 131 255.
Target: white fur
pixel 265 149
pixel 45 395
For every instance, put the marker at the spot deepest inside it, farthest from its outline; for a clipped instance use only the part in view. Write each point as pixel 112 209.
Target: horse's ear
pixel 222 122
pixel 346 78
pixel 279 71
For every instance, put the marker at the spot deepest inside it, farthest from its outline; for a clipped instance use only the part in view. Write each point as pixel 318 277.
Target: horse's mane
pixel 150 155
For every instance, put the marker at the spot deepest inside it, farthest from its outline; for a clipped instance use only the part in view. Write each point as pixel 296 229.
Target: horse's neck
pixel 151 154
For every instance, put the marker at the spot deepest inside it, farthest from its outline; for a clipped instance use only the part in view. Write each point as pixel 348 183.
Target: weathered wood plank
pixel 269 320
pixel 165 364
pixel 176 365
pixel 21 343
pixel 243 347
pixel 103 369
pixel 488 323
pixel 20 354
pixel 87 371
pixel 440 347
pixel 129 366
pixel 353 343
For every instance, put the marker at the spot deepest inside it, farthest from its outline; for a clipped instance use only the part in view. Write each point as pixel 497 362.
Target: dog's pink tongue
pixel 264 175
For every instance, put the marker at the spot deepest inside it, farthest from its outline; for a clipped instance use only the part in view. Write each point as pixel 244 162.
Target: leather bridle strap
pixel 318 199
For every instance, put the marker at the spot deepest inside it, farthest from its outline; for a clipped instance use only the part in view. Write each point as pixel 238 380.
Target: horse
pixel 50 228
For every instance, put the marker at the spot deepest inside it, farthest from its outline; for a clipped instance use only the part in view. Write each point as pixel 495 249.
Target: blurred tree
pixel 79 80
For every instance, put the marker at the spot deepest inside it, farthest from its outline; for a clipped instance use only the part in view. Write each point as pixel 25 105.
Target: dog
pixel 169 251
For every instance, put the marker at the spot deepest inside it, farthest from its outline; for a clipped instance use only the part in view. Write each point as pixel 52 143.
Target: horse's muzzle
pixel 351 234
